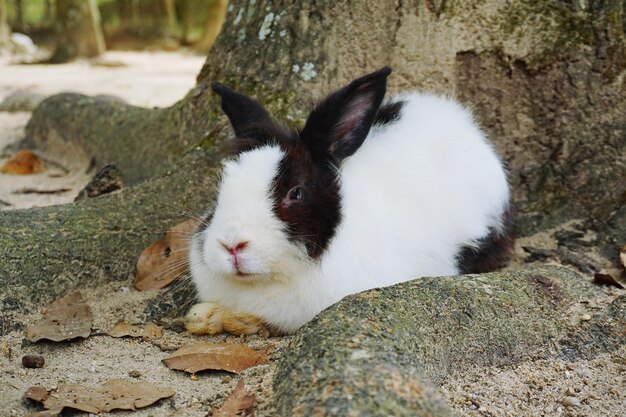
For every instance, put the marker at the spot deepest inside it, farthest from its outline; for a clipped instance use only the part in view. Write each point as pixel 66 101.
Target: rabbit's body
pixel 423 186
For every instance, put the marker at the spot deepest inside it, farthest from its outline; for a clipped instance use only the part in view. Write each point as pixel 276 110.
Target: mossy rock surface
pixel 379 353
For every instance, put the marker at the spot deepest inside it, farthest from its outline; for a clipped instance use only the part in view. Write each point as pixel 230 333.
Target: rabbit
pixel 367 194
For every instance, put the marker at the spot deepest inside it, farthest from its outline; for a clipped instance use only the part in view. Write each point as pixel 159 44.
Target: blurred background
pixel 142 52
pixel 71 28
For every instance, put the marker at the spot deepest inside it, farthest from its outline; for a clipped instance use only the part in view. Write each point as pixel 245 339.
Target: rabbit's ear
pixel 248 118
pixel 339 125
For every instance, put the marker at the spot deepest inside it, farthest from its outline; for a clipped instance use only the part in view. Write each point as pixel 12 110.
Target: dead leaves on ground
pixel 145 331
pixel 238 403
pixel 67 318
pixel 611 276
pixel 70 317
pixel 166 259
pixel 614 276
pixel 114 394
pixel 215 356
pixel 24 162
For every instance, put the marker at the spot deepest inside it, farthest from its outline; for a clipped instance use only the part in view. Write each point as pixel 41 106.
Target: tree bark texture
pixel 545 79
pixel 79 31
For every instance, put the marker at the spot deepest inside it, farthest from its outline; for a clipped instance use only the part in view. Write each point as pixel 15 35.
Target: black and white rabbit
pixel 365 195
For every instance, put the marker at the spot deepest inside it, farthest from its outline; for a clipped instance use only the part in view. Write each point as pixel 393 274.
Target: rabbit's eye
pixel 295 194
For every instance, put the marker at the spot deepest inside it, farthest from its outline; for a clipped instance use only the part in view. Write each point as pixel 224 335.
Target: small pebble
pixel 571 402
pixel 33 361
pixel 571 392
pixel 585 317
pixel 134 374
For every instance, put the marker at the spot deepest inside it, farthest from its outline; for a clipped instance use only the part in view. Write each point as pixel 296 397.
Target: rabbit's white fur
pixel 416 192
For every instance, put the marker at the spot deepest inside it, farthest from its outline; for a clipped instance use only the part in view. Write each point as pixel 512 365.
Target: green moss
pixel 555 29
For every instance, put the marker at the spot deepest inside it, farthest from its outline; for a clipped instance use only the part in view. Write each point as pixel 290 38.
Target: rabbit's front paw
pixel 212 318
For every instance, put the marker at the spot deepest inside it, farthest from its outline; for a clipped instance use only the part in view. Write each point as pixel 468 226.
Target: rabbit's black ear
pixel 339 125
pixel 248 118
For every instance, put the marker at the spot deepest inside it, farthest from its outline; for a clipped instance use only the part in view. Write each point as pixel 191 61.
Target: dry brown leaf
pixel 24 162
pixel 146 330
pixel 166 259
pixel 114 394
pixel 38 394
pixel 215 356
pixel 611 276
pixel 238 403
pixel 67 318
pixel 622 255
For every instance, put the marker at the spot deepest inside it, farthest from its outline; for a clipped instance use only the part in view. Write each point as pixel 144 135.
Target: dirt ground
pixel 595 387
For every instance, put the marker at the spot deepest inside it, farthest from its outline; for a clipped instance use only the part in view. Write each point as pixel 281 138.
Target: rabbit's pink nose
pixel 234 249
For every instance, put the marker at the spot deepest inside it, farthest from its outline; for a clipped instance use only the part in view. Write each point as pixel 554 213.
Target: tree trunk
pixel 170 13
pixel 5 30
pixel 185 20
pixel 79 32
pixel 545 79
pixel 124 11
pixel 213 24
pixel 47 14
pixel 19 16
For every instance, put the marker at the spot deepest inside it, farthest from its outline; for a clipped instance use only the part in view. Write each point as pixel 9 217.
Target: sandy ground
pixel 95 360
pixel 160 79
pixel 141 78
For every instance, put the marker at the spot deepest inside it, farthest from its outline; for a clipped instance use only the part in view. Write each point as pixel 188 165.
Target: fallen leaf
pixel 611 276
pixel 166 259
pixel 215 356
pixel 24 162
pixel 622 255
pixel 147 330
pixel 38 394
pixel 67 318
pixel 114 394
pixel 238 403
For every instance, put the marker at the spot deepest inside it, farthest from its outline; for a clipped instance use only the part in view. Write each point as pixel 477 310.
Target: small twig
pixel 55 164
pixel 35 191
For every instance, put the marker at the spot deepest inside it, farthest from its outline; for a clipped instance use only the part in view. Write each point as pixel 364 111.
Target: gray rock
pixel 21 101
